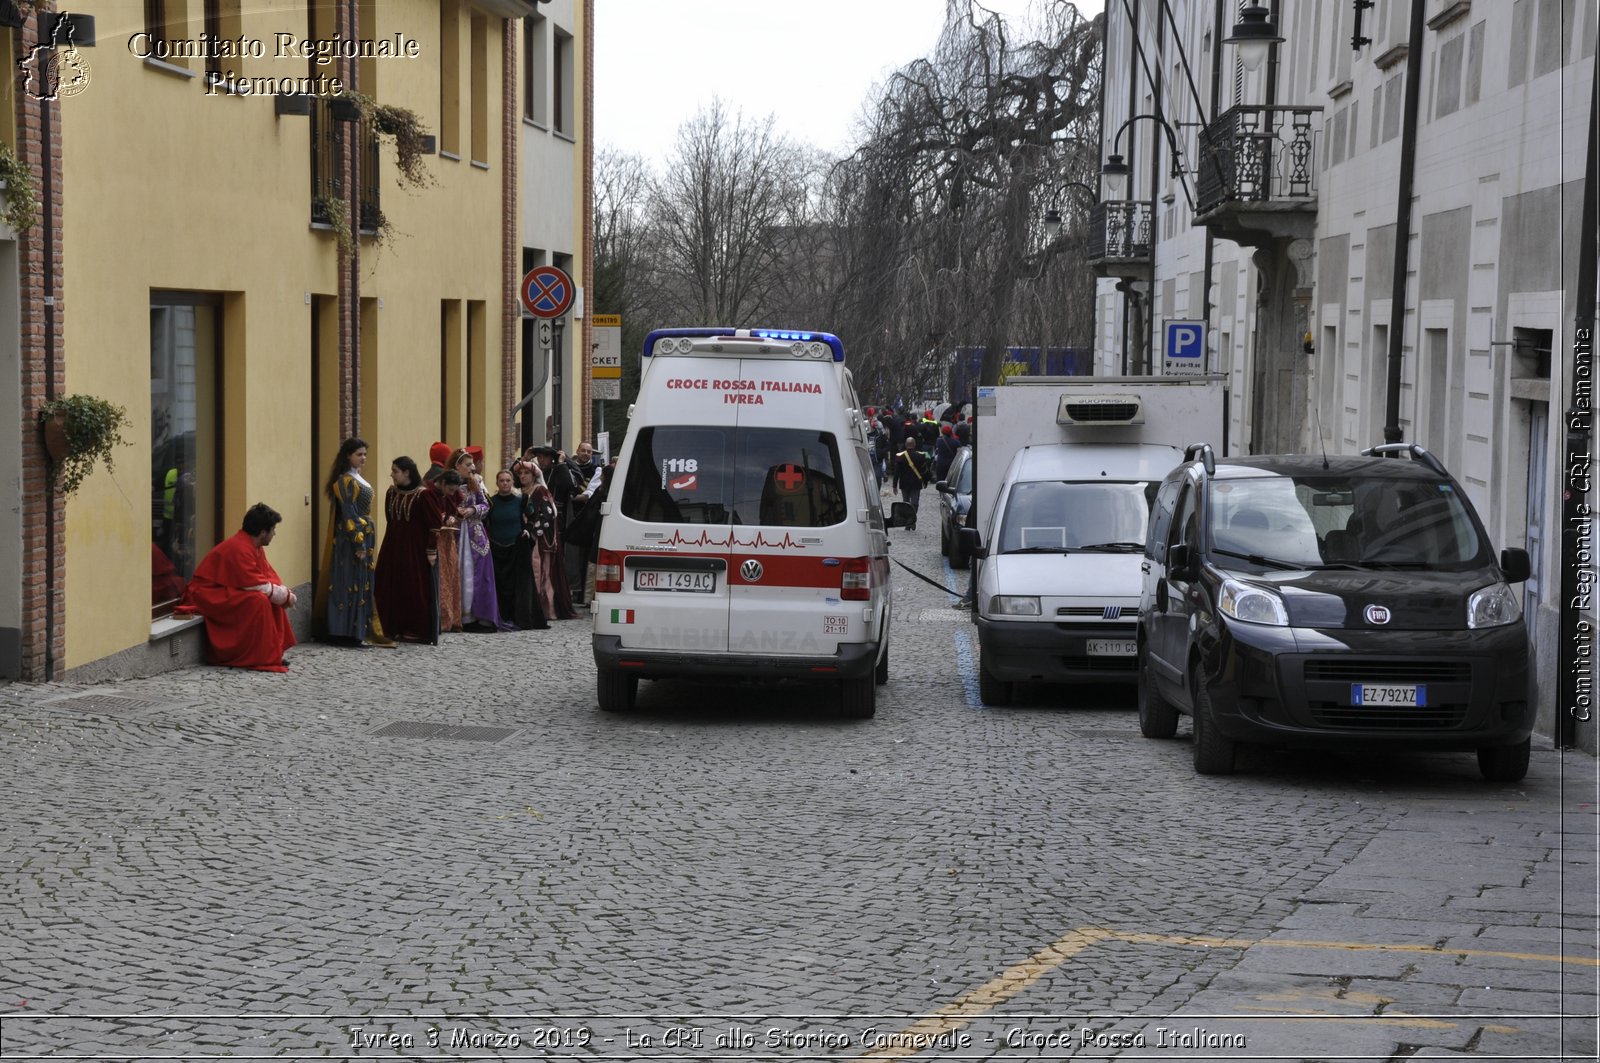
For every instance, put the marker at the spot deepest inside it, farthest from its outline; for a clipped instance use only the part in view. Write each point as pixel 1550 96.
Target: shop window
pixel 185 440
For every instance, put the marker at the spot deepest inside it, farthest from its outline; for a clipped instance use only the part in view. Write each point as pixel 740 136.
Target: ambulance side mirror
pixel 901 515
pixel 972 543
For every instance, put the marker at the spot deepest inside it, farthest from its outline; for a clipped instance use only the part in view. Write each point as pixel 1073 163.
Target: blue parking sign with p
pixel 1185 347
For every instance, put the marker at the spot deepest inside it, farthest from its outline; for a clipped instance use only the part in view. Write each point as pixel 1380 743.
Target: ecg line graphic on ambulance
pixel 760 541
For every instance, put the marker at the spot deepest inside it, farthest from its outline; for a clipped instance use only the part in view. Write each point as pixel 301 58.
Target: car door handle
pixel 1145 567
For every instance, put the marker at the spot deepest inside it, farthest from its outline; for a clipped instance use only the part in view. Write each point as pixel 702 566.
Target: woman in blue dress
pixel 350 554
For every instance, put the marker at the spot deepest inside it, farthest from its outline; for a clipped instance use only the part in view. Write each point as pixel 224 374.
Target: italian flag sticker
pixel 622 616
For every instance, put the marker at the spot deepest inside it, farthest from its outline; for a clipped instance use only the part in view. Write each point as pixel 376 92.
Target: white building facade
pixel 1294 170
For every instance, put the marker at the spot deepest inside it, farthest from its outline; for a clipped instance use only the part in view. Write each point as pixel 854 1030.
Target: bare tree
pixel 963 153
pixel 731 194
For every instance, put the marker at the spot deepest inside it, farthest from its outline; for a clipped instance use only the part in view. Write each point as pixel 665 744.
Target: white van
pixel 743 536
pixel 1058 589
pixel 1060 532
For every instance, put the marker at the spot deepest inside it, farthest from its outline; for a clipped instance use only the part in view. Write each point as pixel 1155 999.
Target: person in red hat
pixel 944 451
pixel 439 455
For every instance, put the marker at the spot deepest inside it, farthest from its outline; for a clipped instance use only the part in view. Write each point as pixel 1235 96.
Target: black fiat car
pixel 1331 602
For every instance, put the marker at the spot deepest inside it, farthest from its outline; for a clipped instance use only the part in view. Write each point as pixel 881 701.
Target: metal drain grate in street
pixel 110 703
pixel 444 732
pixel 941 616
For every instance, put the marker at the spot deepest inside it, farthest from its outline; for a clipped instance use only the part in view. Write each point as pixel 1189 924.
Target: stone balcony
pixel 1258 169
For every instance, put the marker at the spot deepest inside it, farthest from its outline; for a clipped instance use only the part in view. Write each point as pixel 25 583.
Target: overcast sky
pixel 809 63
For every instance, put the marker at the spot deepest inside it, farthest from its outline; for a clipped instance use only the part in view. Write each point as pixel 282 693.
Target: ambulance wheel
pixel 992 691
pixel 617 690
pixel 880 674
pixel 858 698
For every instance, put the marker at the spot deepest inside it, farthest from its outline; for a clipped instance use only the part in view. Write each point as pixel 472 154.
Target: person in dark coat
pixel 911 472
pixel 944 451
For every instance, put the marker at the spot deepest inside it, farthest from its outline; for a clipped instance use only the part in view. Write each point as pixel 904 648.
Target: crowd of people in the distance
pixel 912 450
pixel 457 555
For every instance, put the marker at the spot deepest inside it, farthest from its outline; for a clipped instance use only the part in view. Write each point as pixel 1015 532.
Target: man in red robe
pixel 242 600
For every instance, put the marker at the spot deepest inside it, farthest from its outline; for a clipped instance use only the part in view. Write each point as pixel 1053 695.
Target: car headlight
pixel 1493 606
pixel 1013 605
pixel 1253 605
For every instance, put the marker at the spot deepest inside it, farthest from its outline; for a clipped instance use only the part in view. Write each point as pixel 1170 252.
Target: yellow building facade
pixel 212 287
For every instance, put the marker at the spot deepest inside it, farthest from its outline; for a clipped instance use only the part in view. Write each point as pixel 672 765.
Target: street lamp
pixel 1115 175
pixel 1052 216
pixel 1254 34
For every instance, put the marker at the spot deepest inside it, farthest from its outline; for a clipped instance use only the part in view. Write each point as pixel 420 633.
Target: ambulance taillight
pixel 855 584
pixel 608 573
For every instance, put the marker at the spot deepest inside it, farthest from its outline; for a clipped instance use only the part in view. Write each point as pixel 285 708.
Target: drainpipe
pixel 53 507
pixel 1402 223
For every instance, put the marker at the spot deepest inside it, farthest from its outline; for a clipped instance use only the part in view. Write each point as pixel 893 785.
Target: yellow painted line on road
pixel 960 1012
pixel 1350 946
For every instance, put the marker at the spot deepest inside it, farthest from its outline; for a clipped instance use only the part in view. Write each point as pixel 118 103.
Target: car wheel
pixel 858 698
pixel 944 539
pixel 880 674
pixel 992 691
pixel 1504 763
pixel 617 690
pixel 1157 716
pixel 958 553
pixel 1213 753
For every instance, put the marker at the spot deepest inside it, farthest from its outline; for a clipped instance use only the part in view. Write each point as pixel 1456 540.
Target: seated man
pixel 242 600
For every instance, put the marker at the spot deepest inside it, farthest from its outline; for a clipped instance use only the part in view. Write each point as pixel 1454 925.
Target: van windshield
pixel 1366 521
pixel 1050 516
pixel 693 474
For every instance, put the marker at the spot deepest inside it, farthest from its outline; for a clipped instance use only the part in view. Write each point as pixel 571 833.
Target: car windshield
pixel 688 474
pixel 1365 522
pixel 1050 516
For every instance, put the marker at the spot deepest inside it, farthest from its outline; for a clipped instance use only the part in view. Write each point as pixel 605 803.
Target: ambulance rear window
pixel 777 477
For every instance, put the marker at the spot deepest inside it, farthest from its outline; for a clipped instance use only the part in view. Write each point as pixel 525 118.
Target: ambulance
pixel 743 536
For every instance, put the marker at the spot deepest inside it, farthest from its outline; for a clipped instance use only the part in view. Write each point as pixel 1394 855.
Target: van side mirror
pixel 942 487
pixel 1515 564
pixel 972 543
pixel 1180 562
pixel 901 515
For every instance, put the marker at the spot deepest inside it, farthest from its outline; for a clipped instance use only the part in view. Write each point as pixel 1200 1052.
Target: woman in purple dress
pixel 480 607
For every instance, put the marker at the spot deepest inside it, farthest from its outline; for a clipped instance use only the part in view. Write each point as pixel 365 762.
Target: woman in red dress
pixel 407 589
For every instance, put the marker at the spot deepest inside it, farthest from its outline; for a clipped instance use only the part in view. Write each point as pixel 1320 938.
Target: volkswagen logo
pixel 750 571
pixel 1377 614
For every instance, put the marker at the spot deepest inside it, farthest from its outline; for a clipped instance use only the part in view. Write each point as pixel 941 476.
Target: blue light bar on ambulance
pixel 687 340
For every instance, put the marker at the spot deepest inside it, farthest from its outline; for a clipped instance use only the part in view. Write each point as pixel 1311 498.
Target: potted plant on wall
pixel 19 200
pixel 412 142
pixel 79 433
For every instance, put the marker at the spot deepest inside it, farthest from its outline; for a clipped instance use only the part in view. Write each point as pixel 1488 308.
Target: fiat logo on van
pixel 751 571
pixel 1377 614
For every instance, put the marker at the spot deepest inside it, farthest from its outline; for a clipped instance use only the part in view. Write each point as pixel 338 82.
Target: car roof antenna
pixel 1316 410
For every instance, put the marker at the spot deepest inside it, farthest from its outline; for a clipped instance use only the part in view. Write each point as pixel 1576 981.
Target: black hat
pixel 549 452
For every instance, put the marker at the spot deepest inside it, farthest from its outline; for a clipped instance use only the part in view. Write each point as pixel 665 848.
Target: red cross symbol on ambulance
pixel 790 477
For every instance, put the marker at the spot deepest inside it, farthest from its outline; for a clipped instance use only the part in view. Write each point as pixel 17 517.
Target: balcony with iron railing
pixel 329 134
pixel 1257 176
pixel 1120 233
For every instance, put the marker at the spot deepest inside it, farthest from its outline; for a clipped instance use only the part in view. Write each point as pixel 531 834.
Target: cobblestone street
pixel 386 850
